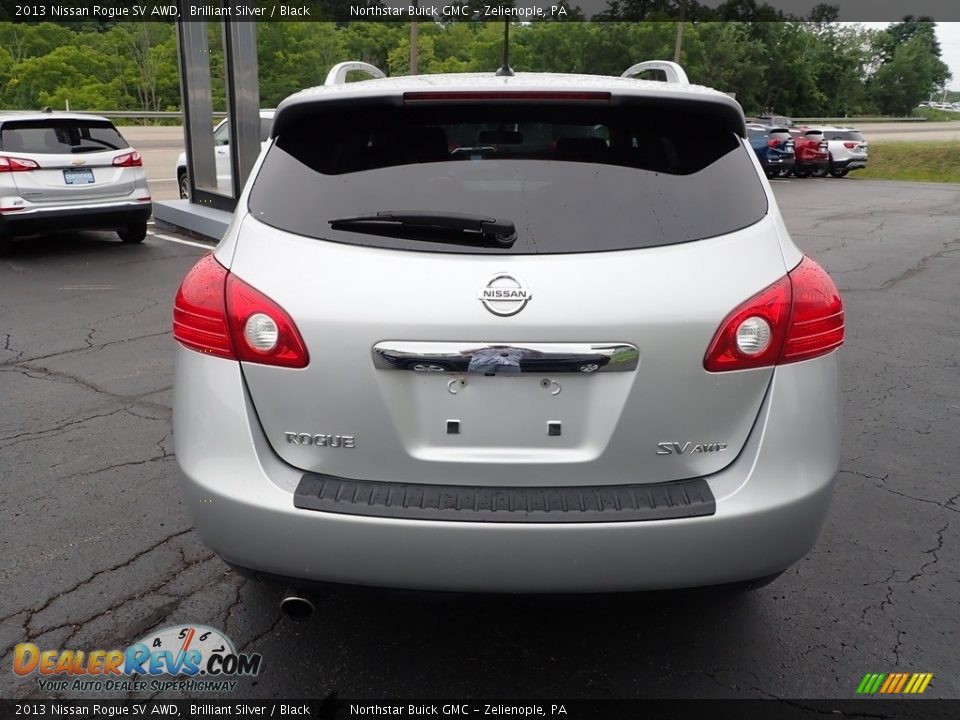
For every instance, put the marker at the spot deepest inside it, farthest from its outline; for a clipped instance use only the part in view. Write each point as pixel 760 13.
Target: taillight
pixel 773 143
pixel 850 145
pixel 200 310
pixel 12 164
pixel 219 314
pixel 131 159
pixel 798 317
pixel 262 331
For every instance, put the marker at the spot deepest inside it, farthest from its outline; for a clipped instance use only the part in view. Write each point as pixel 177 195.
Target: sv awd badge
pixel 675 448
pixel 321 440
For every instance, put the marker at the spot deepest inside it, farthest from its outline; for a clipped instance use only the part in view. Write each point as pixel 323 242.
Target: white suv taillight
pixel 219 314
pixel 12 164
pixel 130 159
pixel 798 317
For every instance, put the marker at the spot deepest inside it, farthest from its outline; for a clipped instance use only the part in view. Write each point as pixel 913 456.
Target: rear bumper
pixel 772 163
pixel 770 505
pixel 848 164
pixel 813 163
pixel 107 216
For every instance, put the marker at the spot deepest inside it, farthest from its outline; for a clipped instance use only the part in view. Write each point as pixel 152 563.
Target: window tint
pixel 60 136
pixel 571 178
pixel 855 135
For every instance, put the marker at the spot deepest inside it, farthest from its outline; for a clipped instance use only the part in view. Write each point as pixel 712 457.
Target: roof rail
pixel 338 73
pixel 675 73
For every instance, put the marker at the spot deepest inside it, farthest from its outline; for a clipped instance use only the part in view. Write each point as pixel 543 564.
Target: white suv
pixel 847 146
pixel 221 154
pixel 62 171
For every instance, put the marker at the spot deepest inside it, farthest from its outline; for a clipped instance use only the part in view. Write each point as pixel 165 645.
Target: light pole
pixel 679 42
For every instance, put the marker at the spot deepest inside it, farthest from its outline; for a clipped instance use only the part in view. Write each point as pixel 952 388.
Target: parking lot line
pixel 170 238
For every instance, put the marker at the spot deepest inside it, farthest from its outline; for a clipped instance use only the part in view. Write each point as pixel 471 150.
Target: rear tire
pixel 804 173
pixel 133 233
pixel 839 172
pixel 183 182
pixel 820 172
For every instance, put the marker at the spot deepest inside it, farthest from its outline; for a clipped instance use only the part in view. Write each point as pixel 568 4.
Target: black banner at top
pixel 486 709
pixel 476 10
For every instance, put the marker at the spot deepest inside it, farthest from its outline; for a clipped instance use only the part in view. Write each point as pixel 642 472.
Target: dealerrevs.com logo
pixel 205 657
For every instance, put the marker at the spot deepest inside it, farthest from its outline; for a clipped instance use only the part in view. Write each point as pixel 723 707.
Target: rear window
pixel 570 178
pixel 843 135
pixel 60 136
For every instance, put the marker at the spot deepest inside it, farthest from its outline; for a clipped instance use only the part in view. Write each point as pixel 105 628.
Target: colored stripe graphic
pixel 894 683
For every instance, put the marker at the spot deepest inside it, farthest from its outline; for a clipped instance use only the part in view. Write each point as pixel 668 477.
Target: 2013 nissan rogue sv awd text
pixel 508 333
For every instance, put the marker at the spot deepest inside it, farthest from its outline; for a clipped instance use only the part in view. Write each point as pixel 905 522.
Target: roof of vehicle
pixel 831 128
pixel 520 81
pixel 8 116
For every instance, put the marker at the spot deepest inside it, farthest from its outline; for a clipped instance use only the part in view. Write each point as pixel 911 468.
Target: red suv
pixel 813 157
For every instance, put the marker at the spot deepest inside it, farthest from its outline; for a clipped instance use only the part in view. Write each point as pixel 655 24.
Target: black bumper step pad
pixel 460 503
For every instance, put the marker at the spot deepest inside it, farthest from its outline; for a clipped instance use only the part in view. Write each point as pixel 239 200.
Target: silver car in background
pixel 62 171
pixel 848 148
pixel 481 333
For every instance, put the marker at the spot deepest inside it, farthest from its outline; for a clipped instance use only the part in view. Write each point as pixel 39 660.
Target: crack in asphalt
pixel 919 266
pixel 881 485
pixel 32 612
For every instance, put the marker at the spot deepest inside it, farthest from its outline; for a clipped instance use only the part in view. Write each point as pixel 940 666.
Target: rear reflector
pixel 12 164
pixel 212 314
pixel 804 313
pixel 506 96
pixel 131 159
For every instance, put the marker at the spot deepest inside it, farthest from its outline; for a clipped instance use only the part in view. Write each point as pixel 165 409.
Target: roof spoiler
pixel 338 73
pixel 675 74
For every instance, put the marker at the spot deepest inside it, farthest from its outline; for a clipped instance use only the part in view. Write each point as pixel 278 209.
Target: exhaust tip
pixel 296 608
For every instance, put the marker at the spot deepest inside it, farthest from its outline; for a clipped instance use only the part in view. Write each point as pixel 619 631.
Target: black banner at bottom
pixel 333 707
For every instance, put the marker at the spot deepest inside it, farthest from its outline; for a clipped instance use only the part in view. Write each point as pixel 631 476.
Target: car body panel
pixel 771 503
pixel 612 421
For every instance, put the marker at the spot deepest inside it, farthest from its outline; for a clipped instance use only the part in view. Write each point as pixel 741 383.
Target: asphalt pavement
pixel 97 547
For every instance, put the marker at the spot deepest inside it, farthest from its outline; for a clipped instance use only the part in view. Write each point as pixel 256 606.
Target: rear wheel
pixel 803 172
pixel 133 233
pixel 820 172
pixel 839 172
pixel 183 181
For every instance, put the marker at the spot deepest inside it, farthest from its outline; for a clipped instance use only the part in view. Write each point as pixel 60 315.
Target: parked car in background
pixel 69 171
pixel 771 120
pixel 813 157
pixel 221 151
pixel 370 363
pixel 846 146
pixel 774 151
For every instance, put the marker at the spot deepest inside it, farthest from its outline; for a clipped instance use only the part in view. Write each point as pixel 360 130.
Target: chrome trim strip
pixel 505 358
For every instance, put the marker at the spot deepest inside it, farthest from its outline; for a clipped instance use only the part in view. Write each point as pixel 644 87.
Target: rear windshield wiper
pixel 484 228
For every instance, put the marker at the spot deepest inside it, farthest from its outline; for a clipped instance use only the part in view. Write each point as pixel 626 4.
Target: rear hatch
pixel 74 158
pixel 571 354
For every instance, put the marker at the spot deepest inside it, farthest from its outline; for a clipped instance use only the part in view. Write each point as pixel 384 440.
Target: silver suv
pixel 847 146
pixel 482 333
pixel 69 171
